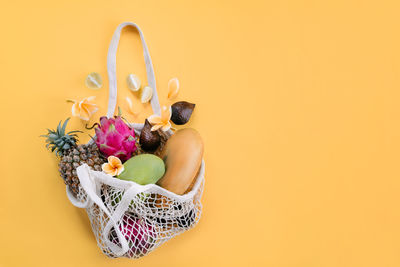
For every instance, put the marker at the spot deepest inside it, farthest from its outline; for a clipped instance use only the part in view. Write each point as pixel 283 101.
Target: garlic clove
pixel 134 83
pixel 181 112
pixel 146 94
pixel 173 88
pixel 94 81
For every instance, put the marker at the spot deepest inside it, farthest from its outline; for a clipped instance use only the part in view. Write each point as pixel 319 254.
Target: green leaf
pixel 74 132
pixel 64 125
pixel 53 136
pixel 59 128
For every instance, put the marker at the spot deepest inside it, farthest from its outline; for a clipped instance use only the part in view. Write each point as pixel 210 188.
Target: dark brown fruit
pixel 181 112
pixel 149 141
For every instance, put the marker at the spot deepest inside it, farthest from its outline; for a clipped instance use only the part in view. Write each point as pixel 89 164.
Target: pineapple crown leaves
pixel 58 140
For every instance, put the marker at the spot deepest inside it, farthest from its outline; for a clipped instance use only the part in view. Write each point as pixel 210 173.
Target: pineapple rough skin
pixel 72 155
pixel 73 158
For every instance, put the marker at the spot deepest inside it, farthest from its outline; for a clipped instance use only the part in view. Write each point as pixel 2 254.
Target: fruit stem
pixel 90 128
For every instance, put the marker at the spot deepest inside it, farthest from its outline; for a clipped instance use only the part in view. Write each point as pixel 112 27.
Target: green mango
pixel 143 169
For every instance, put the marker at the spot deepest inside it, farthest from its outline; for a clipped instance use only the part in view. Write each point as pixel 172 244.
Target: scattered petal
pixel 166 113
pixel 130 107
pixel 173 88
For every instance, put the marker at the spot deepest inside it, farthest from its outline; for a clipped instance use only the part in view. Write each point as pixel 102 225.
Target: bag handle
pixel 112 70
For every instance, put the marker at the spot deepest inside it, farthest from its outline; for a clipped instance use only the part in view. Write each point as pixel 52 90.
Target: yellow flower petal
pixel 91 109
pixel 154 119
pixel 166 113
pixel 113 167
pixel 89 105
pixel 114 161
pixel 166 126
pixel 107 168
pixel 90 98
pixel 173 88
pixel 84 114
pixel 120 169
pixel 130 107
pixel 156 127
pixel 84 109
pixel 75 110
pixel 129 101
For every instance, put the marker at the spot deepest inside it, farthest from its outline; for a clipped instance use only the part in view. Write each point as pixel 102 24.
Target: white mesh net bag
pixel 128 219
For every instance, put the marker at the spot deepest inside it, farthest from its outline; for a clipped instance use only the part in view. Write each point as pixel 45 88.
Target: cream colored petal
pixel 88 104
pixel 129 101
pixel 90 108
pixel 94 110
pixel 84 114
pixel 90 98
pixel 156 127
pixel 120 169
pixel 114 161
pixel 166 113
pixel 154 119
pixel 106 167
pixel 173 88
pixel 130 106
pixel 166 126
pixel 75 110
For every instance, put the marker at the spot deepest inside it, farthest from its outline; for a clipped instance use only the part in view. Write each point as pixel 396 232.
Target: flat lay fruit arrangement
pixel 141 183
pixel 157 154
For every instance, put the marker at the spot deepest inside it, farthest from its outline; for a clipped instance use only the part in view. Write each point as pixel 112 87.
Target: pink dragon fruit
pixel 138 233
pixel 115 138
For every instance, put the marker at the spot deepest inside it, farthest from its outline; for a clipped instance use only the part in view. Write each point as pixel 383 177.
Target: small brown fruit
pixel 181 112
pixel 149 141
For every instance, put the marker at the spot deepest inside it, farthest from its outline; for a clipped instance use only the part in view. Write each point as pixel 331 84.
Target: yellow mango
pixel 182 156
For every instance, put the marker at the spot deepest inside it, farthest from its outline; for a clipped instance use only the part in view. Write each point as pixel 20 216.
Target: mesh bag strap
pixel 112 70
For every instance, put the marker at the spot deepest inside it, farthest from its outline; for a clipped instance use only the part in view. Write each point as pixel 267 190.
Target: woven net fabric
pixel 131 220
pixel 144 216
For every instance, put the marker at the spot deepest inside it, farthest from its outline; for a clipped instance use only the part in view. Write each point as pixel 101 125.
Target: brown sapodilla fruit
pixel 181 112
pixel 149 140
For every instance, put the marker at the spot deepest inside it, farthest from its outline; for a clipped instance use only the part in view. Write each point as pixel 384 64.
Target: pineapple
pixel 72 155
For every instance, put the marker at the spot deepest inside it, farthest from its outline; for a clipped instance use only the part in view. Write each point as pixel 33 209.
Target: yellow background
pixel 297 102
